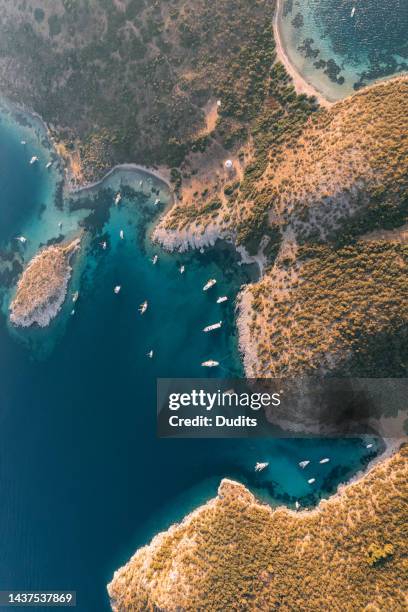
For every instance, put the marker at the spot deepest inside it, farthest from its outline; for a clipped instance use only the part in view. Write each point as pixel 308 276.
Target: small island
pixel 42 287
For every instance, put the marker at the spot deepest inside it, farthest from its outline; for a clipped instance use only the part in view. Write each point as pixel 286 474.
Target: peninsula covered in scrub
pixel 235 553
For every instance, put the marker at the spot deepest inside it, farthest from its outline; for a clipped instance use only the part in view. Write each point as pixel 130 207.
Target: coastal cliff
pixel 42 287
pixel 350 553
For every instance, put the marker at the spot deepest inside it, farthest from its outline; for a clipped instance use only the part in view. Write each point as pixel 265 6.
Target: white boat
pixel 143 307
pixel 150 354
pixel 210 363
pixel 261 466
pixel 72 312
pixel 303 464
pixel 353 10
pixel 104 245
pixel 122 234
pixel 23 142
pixel 157 201
pixel 311 480
pixel 60 225
pixel 48 165
pixel 117 289
pixel 33 160
pixel 118 198
pixel 297 505
pixel 182 269
pixel 212 327
pixel 210 283
pixel 325 460
pixel 222 299
pixel 22 239
pixel 154 260
pixel 369 445
pixel 140 183
pixel 75 296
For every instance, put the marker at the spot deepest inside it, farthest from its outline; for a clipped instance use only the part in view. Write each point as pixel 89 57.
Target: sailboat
pixel 22 239
pixel 210 363
pixel 325 460
pixel 210 283
pixel 353 10
pixel 33 160
pixel 182 269
pixel 154 260
pixel 143 307
pixel 118 198
pixel 261 466
pixel 150 354
pixel 303 464
pixel 222 299
pixel 122 234
pixel 212 327
pixel 117 289
pixel 75 296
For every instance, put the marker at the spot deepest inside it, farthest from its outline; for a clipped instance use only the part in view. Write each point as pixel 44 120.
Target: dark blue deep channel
pixel 83 479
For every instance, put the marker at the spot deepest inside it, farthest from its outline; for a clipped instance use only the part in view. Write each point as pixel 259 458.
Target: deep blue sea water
pixel 83 479
pixel 342 45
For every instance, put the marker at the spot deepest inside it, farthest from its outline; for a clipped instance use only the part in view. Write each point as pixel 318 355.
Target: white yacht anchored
pixel 48 165
pixel 210 283
pixel 22 239
pixel 103 244
pixel 353 10
pixel 154 260
pixel 122 234
pixel 72 312
pixel 182 269
pixel 75 296
pixel 143 307
pixel 212 327
pixel 117 289
pixel 150 354
pixel 157 201
pixel 33 160
pixel 210 363
pixel 23 142
pixel 311 480
pixel 118 198
pixel 303 464
pixel 261 466
pixel 297 505
pixel 325 460
pixel 222 299
pixel 369 445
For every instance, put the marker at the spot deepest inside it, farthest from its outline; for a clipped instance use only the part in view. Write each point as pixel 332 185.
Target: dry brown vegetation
pixel 42 284
pixel 234 553
pixel 314 311
pixel 346 157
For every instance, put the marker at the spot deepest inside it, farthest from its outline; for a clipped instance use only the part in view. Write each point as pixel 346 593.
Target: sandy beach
pixel 301 85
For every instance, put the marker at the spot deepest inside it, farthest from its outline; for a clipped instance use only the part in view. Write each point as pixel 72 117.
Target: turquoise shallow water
pixel 83 479
pixel 341 45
